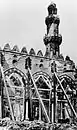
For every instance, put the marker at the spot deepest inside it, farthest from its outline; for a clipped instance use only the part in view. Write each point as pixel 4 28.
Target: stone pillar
pixel 27 110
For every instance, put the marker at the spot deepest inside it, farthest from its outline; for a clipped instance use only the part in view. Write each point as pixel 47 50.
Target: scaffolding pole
pixel 39 96
pixel 7 92
pixel 66 96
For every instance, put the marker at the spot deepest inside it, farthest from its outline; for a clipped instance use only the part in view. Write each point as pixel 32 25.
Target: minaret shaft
pixel 52 39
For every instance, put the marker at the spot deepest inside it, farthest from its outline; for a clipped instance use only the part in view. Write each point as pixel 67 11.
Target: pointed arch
pixel 16 81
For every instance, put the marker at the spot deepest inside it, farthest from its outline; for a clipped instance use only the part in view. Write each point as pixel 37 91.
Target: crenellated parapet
pixel 23 51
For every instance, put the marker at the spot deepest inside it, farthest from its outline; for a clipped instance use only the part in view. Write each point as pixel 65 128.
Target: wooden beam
pixel 7 93
pixel 72 108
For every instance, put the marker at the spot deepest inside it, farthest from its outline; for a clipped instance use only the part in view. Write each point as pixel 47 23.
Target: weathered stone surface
pixel 7 47
pixel 24 50
pixel 15 48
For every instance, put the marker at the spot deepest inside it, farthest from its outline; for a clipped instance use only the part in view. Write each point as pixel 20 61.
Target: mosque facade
pixel 39 86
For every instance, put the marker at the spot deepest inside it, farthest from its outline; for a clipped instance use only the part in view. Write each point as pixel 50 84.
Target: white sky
pixel 22 23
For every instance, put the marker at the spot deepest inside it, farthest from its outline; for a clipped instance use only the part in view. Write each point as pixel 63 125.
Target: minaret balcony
pixel 54 39
pixel 46 39
pixel 52 19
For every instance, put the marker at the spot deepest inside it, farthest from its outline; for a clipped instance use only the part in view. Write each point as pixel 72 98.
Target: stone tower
pixel 52 39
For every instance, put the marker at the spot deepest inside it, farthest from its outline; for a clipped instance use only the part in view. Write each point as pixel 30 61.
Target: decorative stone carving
pixel 7 47
pixel 24 50
pixel 39 53
pixel 15 48
pixel 32 52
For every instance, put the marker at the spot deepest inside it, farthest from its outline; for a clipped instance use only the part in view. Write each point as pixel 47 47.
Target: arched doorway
pixel 63 107
pixel 44 86
pixel 16 84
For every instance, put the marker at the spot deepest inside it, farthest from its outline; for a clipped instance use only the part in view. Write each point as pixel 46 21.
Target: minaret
pixel 52 39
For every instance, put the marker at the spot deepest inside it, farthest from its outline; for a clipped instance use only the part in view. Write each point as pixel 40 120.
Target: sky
pixel 22 23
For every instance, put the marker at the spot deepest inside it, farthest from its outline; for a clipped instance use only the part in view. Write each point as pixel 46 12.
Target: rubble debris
pixel 7 124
